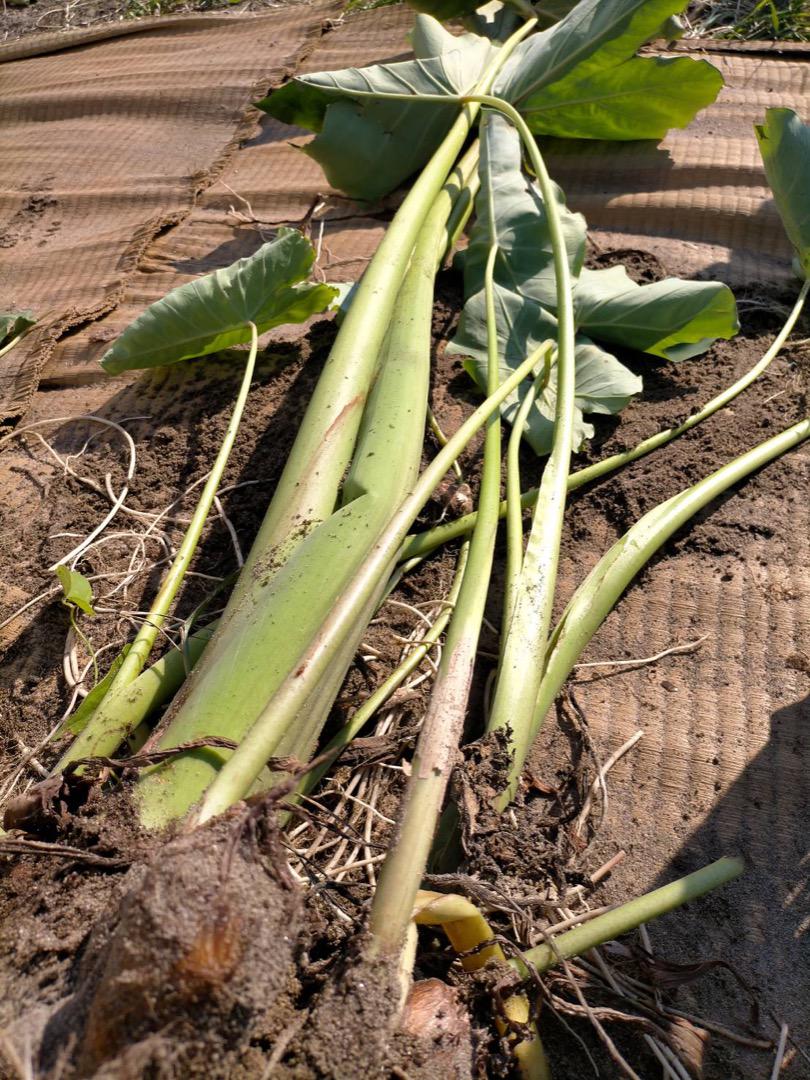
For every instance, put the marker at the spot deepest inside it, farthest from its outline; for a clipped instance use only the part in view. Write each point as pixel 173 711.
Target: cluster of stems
pixel 266 674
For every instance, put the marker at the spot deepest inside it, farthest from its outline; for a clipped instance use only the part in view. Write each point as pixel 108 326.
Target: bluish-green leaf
pixel 510 207
pixel 591 37
pixel 367 147
pixel 603 385
pixel 212 313
pixel 76 588
pixel 673 319
pixel 581 79
pixel 784 142
pixel 510 212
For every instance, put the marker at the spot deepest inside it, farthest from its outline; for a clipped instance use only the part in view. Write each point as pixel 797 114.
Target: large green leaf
pixel 603 385
pixel 673 319
pixel 14 323
pixel 520 224
pixel 268 288
pixel 581 79
pixel 784 142
pixel 591 37
pixel 641 98
pixel 367 147
pixel 511 212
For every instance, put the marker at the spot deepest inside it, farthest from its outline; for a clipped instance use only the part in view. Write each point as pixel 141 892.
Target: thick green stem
pixel 421 544
pixel 443 725
pixel 236 776
pixel 513 501
pixel 532 597
pixel 463 205
pixel 629 916
pixel 600 591
pixel 375 701
pixel 308 488
pixel 527 632
pixel 285 595
pixel 106 728
pixel 261 644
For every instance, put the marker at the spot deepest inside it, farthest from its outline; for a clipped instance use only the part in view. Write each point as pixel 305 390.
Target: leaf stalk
pixel 107 728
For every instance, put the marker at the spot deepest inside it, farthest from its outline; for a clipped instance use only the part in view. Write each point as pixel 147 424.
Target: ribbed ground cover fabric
pixel 124 153
pixel 698 201
pixel 106 144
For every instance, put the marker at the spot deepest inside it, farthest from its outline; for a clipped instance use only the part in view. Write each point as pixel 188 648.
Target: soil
pixel 206 947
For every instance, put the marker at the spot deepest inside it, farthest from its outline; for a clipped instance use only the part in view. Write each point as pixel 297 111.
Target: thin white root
pixel 600 785
pixel 226 521
pixel 780 1052
pixel 76 552
pixel 675 650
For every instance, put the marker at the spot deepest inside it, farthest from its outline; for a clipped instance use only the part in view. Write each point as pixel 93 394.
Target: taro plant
pixel 535 331
pixel 533 667
pixel 320 530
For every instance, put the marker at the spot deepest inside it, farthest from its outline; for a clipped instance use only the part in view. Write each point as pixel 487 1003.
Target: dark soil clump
pixel 169 969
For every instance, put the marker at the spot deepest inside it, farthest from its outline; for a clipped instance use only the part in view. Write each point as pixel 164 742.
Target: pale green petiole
pixel 421 544
pixel 352 728
pixel 236 776
pixel 443 725
pixel 514 498
pixel 600 591
pixel 531 595
pixel 251 656
pixel 629 916
pixel 307 553
pixel 307 490
pixel 106 728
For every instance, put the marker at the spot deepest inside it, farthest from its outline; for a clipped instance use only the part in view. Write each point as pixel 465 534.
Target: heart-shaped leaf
pixel 673 319
pixel 511 214
pixel 641 98
pixel 580 78
pixel 212 313
pixel 784 143
pixel 367 147
pixel 76 588
pixel 603 385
